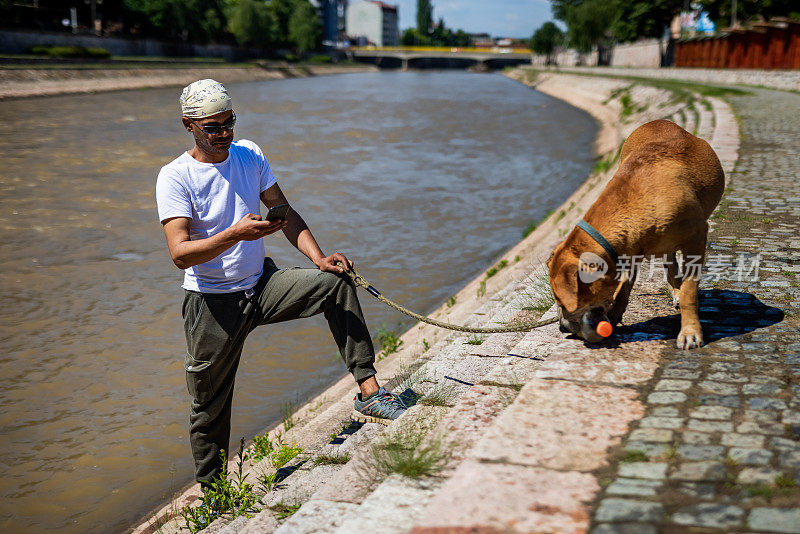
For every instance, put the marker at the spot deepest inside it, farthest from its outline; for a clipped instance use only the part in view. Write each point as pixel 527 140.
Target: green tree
pixel 462 39
pixel 305 28
pixel 424 16
pixel 720 11
pixel 440 32
pixel 251 23
pixel 412 37
pixel 281 13
pixel 588 21
pixel 546 38
pixel 187 20
pixel 643 18
pixel 561 7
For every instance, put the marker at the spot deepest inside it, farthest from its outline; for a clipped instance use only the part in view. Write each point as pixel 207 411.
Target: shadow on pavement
pixel 723 313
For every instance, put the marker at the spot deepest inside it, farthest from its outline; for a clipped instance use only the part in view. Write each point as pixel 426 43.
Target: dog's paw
pixel 687 339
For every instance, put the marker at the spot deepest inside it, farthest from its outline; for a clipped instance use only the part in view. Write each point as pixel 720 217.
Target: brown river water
pixel 423 178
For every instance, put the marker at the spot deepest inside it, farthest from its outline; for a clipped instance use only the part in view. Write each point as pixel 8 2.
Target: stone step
pixel 725 140
pixel 542 450
pixel 451 373
pixel 691 115
pixel 448 373
pixel 705 130
pixel 399 501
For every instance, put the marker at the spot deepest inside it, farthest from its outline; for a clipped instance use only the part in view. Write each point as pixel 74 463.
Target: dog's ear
pixel 565 286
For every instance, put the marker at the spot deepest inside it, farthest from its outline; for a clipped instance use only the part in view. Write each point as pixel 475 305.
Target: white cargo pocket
pixel 198 379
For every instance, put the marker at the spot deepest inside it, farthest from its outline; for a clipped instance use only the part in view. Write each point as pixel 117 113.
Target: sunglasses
pixel 216 129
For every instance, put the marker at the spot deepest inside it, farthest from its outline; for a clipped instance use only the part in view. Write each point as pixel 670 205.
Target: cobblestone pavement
pixel 718 449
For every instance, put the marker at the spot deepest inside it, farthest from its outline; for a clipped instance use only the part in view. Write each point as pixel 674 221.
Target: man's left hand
pixel 328 263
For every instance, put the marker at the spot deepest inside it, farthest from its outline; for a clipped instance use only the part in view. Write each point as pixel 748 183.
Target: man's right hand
pixel 251 227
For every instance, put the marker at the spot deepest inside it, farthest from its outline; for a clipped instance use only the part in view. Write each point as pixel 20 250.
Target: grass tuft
pixel 634 456
pixel 331 459
pixel 406 455
pixel 475 339
pixel 389 340
pixel 282 511
pixel 496 269
pixel 438 396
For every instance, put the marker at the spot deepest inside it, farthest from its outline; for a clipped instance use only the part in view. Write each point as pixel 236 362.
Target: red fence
pixel 766 45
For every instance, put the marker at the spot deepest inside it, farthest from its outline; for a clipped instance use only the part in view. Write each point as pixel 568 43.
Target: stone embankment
pixel 787 80
pixel 23 83
pixel 538 432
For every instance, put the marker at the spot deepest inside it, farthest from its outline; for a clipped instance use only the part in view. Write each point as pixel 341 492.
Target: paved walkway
pixel 719 447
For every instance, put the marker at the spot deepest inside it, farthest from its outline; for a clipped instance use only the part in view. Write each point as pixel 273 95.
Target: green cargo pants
pixel 216 325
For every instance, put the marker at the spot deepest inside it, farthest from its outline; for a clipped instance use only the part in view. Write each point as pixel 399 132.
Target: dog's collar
pixel 597 236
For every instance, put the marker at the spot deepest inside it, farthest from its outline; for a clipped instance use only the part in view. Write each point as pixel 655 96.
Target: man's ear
pixel 565 286
pixel 186 123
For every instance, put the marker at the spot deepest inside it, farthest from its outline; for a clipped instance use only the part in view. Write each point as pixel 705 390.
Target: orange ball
pixel 604 329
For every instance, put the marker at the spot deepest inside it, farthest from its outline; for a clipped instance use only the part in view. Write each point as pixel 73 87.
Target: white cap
pixel 204 98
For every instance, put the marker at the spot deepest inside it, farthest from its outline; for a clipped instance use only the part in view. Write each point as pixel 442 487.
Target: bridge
pixel 439 58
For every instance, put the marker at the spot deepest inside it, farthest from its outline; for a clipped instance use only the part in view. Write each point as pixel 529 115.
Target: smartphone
pixel 277 212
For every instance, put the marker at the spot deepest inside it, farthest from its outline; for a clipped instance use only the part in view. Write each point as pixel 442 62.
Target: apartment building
pixel 375 22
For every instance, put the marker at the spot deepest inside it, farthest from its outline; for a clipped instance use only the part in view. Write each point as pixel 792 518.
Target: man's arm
pixel 299 235
pixel 186 253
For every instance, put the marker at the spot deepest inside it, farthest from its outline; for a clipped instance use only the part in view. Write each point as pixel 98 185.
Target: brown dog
pixel 657 203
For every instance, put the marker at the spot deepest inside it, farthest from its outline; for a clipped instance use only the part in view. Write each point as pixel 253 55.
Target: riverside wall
pixel 786 80
pixel 25 83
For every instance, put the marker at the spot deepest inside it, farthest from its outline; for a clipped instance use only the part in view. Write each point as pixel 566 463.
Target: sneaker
pixel 380 407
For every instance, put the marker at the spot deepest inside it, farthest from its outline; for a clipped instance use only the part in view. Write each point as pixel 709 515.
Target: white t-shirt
pixel 215 196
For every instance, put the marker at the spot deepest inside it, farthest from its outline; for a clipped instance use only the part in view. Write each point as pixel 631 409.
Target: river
pixel 423 178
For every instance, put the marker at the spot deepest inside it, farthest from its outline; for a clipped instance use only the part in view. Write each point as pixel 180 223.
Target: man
pixel 209 204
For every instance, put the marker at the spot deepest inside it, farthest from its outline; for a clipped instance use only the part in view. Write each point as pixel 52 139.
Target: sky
pixel 500 18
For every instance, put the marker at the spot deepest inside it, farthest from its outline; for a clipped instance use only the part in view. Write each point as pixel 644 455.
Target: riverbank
pixel 36 82
pixel 784 80
pixel 476 389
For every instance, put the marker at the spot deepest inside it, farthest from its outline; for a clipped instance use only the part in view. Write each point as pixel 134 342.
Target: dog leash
pixel 361 281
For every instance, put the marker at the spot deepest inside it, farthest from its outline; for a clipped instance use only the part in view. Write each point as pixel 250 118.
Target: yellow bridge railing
pixel 449 49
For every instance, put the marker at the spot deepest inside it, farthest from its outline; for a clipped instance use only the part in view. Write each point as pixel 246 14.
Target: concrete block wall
pixel 645 53
pixel 20 42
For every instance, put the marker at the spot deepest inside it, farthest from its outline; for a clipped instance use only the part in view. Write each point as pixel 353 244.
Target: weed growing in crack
pixel 481 289
pixel 438 396
pixel 228 495
pixel 266 482
pixel 475 339
pixel 331 459
pixel 284 454
pixel 537 295
pixel 262 448
pixel 389 340
pixel 157 522
pixel 405 454
pixel 288 413
pixel 496 269
pixel 282 511
pixel 634 456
